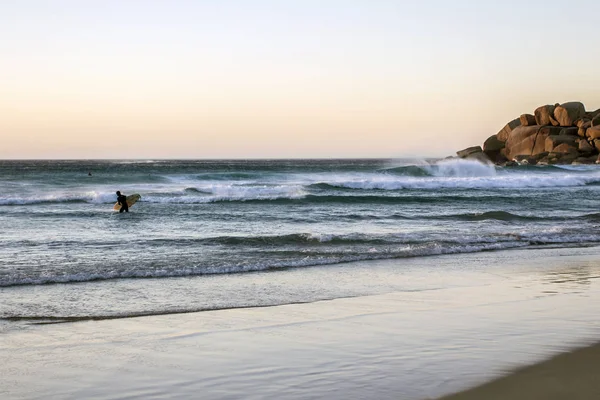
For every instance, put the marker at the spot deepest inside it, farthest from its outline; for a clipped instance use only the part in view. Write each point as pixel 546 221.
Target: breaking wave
pixel 309 250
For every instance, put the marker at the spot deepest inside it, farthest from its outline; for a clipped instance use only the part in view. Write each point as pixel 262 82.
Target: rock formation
pixel 554 134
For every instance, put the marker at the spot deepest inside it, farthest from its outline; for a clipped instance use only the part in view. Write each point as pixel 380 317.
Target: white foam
pixel 492 181
pixel 461 168
pixel 89 197
pixel 229 192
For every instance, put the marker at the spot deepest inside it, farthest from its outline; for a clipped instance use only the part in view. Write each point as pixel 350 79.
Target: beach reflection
pixel 570 278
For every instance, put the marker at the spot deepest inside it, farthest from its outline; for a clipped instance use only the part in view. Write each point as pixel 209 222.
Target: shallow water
pixel 418 328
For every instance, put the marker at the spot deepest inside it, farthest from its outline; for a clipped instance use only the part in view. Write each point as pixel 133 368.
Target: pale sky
pixel 279 79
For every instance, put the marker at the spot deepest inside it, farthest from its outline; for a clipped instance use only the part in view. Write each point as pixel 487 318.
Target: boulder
pixel 593 132
pixel 524 140
pixel 585 147
pixel 492 147
pixel 567 158
pixel 527 120
pixel 553 141
pixel 525 160
pixel 564 148
pixel 553 158
pixel 542 114
pixel 585 160
pixel 572 130
pixel 474 153
pixel 596 143
pixel 550 130
pixel 468 151
pixel 508 128
pixel 553 121
pixel 582 121
pixel 567 113
pixel 595 121
pixel 583 128
pixel 543 161
pixel 493 144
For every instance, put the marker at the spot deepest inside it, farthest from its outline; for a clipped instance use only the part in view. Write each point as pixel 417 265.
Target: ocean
pixel 210 234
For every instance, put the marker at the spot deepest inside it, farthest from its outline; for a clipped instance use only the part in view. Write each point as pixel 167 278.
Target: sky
pixel 283 79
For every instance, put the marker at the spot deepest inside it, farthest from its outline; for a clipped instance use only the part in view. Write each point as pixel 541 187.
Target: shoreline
pixel 436 326
pixel 569 375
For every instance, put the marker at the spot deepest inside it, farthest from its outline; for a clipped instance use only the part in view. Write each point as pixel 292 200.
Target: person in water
pixel 122 200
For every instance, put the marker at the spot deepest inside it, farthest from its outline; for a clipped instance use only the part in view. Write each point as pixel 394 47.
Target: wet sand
pixel 569 376
pixel 462 321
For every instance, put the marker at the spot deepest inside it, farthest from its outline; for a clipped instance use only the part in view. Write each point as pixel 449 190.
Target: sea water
pixel 66 255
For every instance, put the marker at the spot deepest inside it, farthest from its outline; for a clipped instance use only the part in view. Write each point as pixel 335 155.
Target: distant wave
pixel 331 198
pixel 446 168
pixel 497 215
pixel 508 181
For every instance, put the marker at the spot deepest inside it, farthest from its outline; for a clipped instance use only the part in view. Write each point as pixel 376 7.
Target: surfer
pixel 122 200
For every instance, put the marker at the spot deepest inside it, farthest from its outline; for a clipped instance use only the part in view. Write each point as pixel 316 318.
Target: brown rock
pixel 474 153
pixel 543 161
pixel 567 158
pixel 493 144
pixel 585 147
pixel 596 143
pixel 553 141
pixel 584 160
pixel 525 160
pixel 539 146
pixel 583 128
pixel 521 141
pixel 564 148
pixel 567 113
pixel 508 128
pixel 553 158
pixel 582 121
pixel 492 147
pixel 593 132
pixel 595 121
pixel 551 130
pixel 468 151
pixel 527 120
pixel 542 114
pixel 553 121
pixel 569 131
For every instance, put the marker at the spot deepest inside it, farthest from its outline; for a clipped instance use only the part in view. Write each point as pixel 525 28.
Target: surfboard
pixel 131 200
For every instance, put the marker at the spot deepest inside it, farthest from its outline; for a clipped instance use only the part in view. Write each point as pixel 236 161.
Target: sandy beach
pixel 572 375
pixel 490 314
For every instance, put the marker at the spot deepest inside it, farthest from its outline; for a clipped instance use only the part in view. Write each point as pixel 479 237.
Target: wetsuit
pixel 122 200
